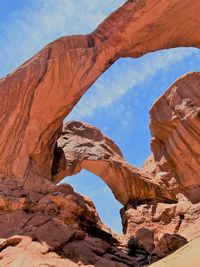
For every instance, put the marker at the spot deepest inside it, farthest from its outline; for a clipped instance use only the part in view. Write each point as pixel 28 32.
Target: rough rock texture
pixel 23 251
pixel 84 146
pixel 43 90
pixel 47 229
pixel 175 129
pixel 168 244
pixel 52 222
pixel 186 256
pixel 182 218
pixel 174 164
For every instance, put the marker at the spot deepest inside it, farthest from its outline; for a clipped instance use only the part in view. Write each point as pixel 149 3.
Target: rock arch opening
pixel 176 63
pixel 85 147
pixel 88 184
pixel 34 102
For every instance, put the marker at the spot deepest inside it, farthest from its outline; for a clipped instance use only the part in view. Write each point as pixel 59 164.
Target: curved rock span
pixel 39 94
pixel 82 146
pixel 36 151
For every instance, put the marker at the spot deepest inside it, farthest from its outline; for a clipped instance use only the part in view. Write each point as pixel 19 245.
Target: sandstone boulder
pixel 187 255
pixel 24 252
pixel 168 244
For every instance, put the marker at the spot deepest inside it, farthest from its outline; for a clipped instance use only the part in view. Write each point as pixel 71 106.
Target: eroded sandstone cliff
pixel 174 165
pixel 44 224
pixel 44 89
pixel 175 139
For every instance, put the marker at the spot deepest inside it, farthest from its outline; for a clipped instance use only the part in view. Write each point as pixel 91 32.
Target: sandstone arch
pixel 34 100
pixel 83 146
pixel 39 94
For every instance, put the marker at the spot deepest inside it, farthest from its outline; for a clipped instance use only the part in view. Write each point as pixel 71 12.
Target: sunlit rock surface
pixel 53 224
pixel 48 229
pixel 184 257
pixel 40 93
pixel 83 146
pixel 175 129
pixel 174 164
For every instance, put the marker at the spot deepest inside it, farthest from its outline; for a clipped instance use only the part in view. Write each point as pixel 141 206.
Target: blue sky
pixel 119 101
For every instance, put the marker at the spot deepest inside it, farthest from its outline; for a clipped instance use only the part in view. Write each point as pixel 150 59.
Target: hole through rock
pixel 118 104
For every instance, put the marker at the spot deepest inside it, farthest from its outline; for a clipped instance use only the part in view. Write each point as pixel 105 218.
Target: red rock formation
pixel 82 146
pixel 174 164
pixel 34 101
pixel 175 129
pixel 46 228
pixel 23 251
pixel 181 218
pixel 184 257
pixel 39 94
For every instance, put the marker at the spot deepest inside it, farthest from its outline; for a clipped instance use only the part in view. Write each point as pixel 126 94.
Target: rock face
pixel 23 251
pixel 174 164
pixel 184 257
pixel 168 244
pixel 181 218
pixel 83 146
pixel 175 129
pixel 45 224
pixel 48 229
pixel 44 89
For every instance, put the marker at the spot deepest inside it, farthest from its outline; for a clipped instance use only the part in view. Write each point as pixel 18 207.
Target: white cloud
pixel 46 20
pixel 125 76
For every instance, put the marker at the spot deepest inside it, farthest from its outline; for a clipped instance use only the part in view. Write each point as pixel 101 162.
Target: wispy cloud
pixel 29 30
pixel 126 75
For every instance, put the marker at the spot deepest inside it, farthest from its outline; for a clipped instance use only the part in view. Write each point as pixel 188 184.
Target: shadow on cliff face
pixel 60 221
pixel 147 251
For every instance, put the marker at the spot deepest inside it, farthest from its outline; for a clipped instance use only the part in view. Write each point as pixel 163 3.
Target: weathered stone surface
pixel 35 99
pixel 83 146
pixel 158 217
pixel 186 256
pixel 63 224
pixel 97 252
pixel 145 238
pixel 168 244
pixel 174 163
pixel 181 218
pixel 40 93
pixel 22 251
pixel 175 129
pixel 54 233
